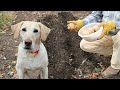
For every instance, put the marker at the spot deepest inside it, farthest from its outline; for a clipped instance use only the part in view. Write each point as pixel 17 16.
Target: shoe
pixel 109 72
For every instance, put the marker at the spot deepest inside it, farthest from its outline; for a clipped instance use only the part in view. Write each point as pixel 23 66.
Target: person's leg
pixel 102 46
pixel 115 60
pixel 106 46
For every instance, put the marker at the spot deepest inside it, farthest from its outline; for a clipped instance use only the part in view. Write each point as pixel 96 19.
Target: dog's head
pixel 31 33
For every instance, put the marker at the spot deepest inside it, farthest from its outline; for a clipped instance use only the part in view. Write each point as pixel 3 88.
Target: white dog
pixel 32 60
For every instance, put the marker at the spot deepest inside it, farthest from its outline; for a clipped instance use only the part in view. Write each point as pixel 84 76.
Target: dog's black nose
pixel 28 42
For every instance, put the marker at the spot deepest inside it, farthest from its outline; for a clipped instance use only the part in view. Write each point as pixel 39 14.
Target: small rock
pixel 11 73
pixel 4 58
pixel 2 32
pixel 34 13
pixel 3 48
pixel 9 66
pixel 13 62
pixel 73 76
pixel 51 77
pixel 52 57
pixel 15 41
pixel 10 34
pixel 70 60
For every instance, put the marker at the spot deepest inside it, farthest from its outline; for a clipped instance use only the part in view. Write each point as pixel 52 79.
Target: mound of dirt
pixel 64 53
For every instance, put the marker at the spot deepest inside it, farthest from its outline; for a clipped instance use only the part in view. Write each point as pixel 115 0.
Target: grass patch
pixel 6 18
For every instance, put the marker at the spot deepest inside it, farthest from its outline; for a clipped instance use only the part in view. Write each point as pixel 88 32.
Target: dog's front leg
pixel 45 73
pixel 20 73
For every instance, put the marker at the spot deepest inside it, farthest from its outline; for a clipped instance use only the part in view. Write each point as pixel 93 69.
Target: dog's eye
pixel 35 31
pixel 24 29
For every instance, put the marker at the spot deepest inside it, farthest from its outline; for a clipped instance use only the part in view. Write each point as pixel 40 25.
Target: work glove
pixel 74 25
pixel 107 27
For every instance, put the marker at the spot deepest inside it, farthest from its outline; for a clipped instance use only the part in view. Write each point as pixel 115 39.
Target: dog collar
pixel 34 53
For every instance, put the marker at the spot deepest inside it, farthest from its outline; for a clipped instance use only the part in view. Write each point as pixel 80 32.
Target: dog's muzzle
pixel 28 44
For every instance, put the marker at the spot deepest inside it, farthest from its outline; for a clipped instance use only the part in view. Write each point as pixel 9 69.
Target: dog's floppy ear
pixel 44 31
pixel 16 29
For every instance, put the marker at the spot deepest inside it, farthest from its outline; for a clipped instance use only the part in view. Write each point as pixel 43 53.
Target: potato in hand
pixel 71 26
pixel 85 32
pixel 96 28
pixel 90 30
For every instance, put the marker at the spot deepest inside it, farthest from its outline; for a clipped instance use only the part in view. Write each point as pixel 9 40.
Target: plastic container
pixel 93 36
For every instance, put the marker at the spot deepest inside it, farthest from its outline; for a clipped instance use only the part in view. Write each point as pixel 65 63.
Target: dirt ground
pixel 66 59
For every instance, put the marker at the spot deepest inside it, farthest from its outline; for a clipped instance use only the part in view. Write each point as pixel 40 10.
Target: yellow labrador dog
pixel 32 59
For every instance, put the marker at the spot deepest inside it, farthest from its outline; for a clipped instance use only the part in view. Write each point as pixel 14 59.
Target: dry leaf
pixel 1 75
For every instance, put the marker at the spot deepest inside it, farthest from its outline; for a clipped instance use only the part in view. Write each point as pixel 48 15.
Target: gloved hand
pixel 74 25
pixel 107 26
